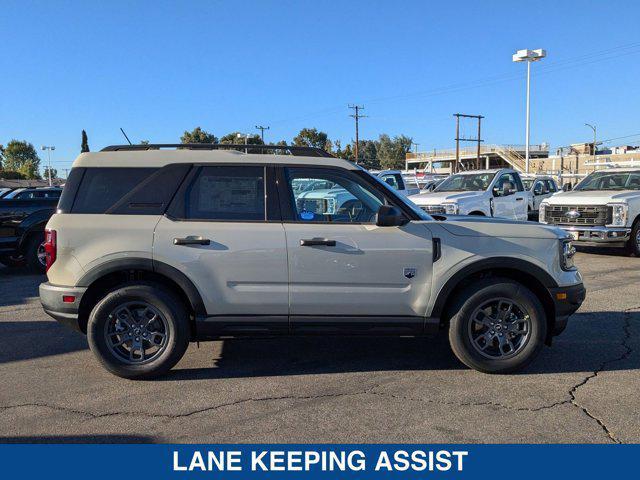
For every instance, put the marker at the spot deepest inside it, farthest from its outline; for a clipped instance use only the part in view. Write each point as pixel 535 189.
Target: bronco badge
pixel 409 272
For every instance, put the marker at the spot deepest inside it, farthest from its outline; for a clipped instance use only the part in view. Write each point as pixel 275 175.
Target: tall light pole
pixel 528 56
pixel 246 138
pixel 49 149
pixel 593 127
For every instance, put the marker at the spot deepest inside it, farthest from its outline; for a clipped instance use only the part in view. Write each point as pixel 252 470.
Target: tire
pixel 477 344
pixel 105 330
pixel 34 253
pixel 12 261
pixel 633 246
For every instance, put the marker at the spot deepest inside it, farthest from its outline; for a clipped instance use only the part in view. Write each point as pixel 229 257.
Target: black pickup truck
pixel 22 221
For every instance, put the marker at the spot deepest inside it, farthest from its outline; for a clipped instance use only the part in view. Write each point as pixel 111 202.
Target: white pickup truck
pixel 489 193
pixel 603 209
pixel 397 181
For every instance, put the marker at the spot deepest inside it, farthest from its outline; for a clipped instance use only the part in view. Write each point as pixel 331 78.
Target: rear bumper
pixel 598 235
pixel 54 304
pixel 566 300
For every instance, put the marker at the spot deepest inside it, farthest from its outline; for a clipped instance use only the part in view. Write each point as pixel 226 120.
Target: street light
pixel 49 149
pixel 528 56
pixel 246 141
pixel 593 127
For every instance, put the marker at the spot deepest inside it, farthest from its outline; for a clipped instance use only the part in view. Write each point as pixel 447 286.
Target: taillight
pixel 50 246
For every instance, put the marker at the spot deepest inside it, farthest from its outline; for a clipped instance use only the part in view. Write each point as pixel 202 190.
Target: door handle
pixel 192 240
pixel 312 242
pixel 519 199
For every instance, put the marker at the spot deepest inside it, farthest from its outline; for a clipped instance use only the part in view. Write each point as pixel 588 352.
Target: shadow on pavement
pixel 32 339
pixel 78 439
pixel 591 342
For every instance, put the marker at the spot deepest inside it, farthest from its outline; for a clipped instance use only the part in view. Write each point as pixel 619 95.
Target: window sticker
pixel 305 215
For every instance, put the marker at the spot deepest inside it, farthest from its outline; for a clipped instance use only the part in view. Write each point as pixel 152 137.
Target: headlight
pixel 450 208
pixel 542 212
pixel 567 252
pixel 618 214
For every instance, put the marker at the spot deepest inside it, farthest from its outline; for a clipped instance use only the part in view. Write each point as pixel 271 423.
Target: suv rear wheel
pixel 498 326
pixel 138 331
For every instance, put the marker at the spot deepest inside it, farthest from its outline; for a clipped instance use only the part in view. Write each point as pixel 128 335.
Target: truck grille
pixel 578 214
pixel 433 208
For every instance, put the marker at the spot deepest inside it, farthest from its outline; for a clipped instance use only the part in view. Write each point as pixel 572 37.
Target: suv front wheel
pixel 498 326
pixel 138 331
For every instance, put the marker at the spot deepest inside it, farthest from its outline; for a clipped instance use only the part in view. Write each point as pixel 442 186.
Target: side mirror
pixel 389 216
pixel 566 187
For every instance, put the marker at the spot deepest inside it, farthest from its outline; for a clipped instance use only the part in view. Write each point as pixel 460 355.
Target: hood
pixel 474 226
pixel 436 198
pixel 592 197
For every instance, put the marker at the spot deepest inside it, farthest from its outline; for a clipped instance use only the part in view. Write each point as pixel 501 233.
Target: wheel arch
pixel 108 275
pixel 530 275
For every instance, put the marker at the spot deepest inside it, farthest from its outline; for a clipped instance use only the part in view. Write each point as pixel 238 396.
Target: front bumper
pixel 566 301
pixel 596 234
pixel 56 301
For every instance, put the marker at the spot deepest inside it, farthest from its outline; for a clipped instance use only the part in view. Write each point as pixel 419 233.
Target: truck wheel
pixel 34 255
pixel 633 246
pixel 12 261
pixel 138 331
pixel 498 326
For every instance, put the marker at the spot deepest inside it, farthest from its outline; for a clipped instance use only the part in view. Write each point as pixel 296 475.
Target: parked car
pixel 487 193
pixel 4 191
pixel 152 249
pixel 431 185
pixel 539 187
pixel 399 182
pixel 603 209
pixel 22 220
pixel 31 193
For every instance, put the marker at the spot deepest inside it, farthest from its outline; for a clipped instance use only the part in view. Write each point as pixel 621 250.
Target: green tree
pixel 347 153
pixel 21 157
pixel 311 137
pixel 54 173
pixel 85 143
pixel 197 135
pixel 392 152
pixel 368 153
pixel 144 142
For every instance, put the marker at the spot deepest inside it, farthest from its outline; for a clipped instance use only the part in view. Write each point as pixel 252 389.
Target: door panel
pixel 364 274
pixel 243 271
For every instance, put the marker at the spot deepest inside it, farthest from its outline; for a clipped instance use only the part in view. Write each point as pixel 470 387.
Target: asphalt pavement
pixel 585 388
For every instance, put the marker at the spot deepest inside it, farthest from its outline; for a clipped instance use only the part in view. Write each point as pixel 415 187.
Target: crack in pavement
pixel 626 328
pixel 93 416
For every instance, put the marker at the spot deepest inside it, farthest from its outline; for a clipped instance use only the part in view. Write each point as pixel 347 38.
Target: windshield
pixel 610 181
pixel 528 183
pixel 416 209
pixel 466 182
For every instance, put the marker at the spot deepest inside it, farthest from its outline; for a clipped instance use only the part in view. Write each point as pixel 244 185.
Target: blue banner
pixel 318 461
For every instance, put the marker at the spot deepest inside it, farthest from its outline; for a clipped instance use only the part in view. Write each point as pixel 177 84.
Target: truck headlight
pixel 450 208
pixel 542 213
pixel 567 252
pixel 619 213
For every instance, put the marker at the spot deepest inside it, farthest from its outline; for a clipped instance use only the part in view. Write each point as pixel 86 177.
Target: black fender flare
pixel 490 264
pixel 147 265
pixel 34 222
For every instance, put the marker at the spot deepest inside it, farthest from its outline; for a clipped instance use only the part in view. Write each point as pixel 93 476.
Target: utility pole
pixel 458 139
pixel 357 116
pixel 262 129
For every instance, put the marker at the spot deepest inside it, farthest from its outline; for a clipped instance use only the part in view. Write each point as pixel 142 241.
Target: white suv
pixel 539 188
pixel 603 209
pixel 154 247
pixel 487 193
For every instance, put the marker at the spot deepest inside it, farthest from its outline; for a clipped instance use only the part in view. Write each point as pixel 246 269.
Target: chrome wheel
pixel 499 328
pixel 42 255
pixel 136 333
pixel 638 240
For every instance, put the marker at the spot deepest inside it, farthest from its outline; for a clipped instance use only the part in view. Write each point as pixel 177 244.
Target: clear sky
pixel 158 68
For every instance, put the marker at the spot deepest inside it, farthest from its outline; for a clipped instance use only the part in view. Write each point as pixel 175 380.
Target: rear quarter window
pixel 101 188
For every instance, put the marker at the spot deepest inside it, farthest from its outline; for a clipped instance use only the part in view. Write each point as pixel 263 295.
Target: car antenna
pixel 125 136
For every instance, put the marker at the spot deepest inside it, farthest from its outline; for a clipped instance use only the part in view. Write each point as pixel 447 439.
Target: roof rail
pixel 264 149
